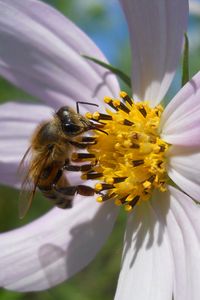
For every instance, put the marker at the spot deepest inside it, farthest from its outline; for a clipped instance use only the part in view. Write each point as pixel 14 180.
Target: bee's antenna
pixel 98 129
pixel 81 102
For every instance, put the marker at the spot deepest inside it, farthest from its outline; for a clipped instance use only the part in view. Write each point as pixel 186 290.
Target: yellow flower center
pixel 129 162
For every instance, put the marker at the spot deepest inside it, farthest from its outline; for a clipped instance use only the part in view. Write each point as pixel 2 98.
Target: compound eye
pixel 71 129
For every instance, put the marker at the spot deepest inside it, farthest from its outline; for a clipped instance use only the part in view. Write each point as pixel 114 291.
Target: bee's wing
pixel 26 196
pixel 29 186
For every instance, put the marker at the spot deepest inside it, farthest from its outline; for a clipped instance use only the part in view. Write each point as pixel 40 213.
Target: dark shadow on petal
pixel 29 66
pixel 82 249
pixel 48 255
pixel 194 85
pixel 145 226
pixel 101 84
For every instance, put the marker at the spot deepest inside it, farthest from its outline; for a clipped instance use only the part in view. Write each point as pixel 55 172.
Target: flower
pixel 194 7
pixel 40 52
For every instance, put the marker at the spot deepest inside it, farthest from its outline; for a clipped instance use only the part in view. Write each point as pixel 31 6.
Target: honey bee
pixel 49 156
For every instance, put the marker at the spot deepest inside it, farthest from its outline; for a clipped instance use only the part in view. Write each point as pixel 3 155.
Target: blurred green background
pixel 104 23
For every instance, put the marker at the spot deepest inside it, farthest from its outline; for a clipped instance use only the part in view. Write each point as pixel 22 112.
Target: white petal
pixel 147 264
pixel 182 217
pixel 180 122
pixel 156 33
pixel 184 169
pixel 41 53
pixel 17 122
pixel 54 247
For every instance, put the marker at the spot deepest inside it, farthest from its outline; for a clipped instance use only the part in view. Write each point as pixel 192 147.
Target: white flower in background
pixel 40 52
pixel 194 6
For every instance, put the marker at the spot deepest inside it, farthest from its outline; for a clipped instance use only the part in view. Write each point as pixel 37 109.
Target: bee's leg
pixel 51 192
pixel 83 190
pixel 60 199
pixel 63 196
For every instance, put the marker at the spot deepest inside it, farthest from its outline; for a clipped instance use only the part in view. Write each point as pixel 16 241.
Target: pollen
pixel 130 159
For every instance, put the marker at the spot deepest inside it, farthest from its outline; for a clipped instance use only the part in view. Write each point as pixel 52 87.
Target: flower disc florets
pixel 129 161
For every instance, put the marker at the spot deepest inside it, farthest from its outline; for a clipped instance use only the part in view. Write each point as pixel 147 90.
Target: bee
pixel 49 156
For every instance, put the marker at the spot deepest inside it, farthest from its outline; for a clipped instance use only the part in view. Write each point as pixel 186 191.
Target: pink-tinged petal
pixel 182 217
pixel 147 270
pixel 184 169
pixel 156 34
pixel 180 123
pixel 41 53
pixel 56 246
pixel 17 123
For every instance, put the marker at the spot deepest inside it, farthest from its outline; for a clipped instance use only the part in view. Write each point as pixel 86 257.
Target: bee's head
pixel 72 123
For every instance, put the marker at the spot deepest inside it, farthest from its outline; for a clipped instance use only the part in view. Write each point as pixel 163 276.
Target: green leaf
pixel 185 63
pixel 124 77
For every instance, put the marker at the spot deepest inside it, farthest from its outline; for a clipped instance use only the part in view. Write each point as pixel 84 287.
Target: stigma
pixel 129 162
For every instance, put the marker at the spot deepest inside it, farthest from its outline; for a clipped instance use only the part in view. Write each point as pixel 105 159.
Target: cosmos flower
pixel 40 53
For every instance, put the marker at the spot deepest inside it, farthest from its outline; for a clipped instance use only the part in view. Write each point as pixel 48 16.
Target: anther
pixel 138 162
pixel 135 146
pixel 142 110
pixel 99 199
pixel 75 168
pixel 98 126
pixel 135 136
pixel 126 97
pixel 160 164
pixel 77 156
pixel 113 180
pixel 124 108
pixel 121 106
pixel 162 148
pixel 88 115
pixel 109 101
pixel 134 201
pixel 128 207
pixel 123 199
pixel 120 201
pixel 127 122
pixel 98 116
pixel 103 186
pixel 151 178
pixel 105 197
pixel 91 176
pixel 147 184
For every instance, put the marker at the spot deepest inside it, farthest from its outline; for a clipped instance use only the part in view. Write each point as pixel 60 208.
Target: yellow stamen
pixel 131 159
pixel 128 207
pixel 118 202
pixel 99 199
pixel 98 187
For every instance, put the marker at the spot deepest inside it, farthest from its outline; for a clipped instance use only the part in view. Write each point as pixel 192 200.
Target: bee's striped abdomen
pixel 51 181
